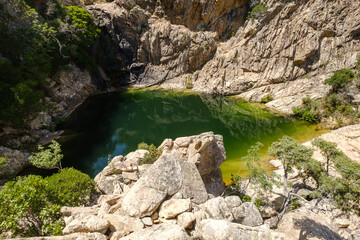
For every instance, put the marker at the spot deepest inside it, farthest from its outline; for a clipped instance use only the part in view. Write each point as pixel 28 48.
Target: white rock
pixel 173 207
pixel 185 219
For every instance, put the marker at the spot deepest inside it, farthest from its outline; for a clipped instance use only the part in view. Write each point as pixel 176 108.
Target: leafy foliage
pixel 35 36
pixel 69 187
pixel 344 190
pixel 340 79
pixel 189 84
pixel 258 11
pixel 2 163
pixel 309 111
pixel 153 154
pixel 257 177
pixel 47 158
pixel 31 205
pixel 267 99
pixel 338 105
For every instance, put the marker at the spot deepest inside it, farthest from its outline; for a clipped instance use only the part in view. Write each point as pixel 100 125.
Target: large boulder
pixel 247 214
pixel 224 230
pixel 164 231
pixel 162 179
pixel 217 208
pixel 73 236
pixel 120 170
pixel 87 223
pixel 207 152
pixel 193 186
pixel 123 223
pixel 174 207
pixel 185 219
pixel 15 162
pixel 68 211
pixel 304 224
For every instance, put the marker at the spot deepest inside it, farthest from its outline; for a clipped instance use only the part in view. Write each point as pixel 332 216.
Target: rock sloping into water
pixel 169 197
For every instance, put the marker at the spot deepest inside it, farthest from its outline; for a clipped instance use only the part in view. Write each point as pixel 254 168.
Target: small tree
pixel 48 158
pixel 328 150
pixel 257 176
pixel 291 154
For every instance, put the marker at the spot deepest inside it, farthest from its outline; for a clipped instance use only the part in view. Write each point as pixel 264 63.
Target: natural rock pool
pixel 113 124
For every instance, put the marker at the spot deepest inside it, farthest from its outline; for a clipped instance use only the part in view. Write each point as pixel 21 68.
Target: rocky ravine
pixel 180 197
pixel 288 52
pixel 209 46
pixel 177 197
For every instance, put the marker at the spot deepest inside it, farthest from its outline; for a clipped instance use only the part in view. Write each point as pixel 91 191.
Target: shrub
pixel 189 84
pixel 246 198
pixel 22 201
pixel 340 79
pixel 259 203
pixel 293 205
pixel 31 205
pixel 153 154
pixel 267 99
pixel 258 11
pixel 2 163
pixel 69 187
pixel 309 111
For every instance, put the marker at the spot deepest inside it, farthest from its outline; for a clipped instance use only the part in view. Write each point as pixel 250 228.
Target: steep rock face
pixel 292 39
pixel 286 52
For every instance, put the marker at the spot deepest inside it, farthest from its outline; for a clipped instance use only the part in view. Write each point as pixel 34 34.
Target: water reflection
pixel 113 124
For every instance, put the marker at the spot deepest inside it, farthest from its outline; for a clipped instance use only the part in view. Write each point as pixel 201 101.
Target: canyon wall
pixel 210 46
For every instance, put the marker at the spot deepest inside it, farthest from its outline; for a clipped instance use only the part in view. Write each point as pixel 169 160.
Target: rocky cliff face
pixel 286 52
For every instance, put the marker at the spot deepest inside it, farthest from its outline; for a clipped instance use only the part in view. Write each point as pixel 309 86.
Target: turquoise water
pixel 113 124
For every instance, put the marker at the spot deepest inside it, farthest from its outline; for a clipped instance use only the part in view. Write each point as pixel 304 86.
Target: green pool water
pixel 113 124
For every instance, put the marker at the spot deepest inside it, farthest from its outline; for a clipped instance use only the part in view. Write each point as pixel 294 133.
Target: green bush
pixel 30 206
pixel 153 154
pixel 69 187
pixel 259 203
pixel 246 198
pixel 309 111
pixel 258 11
pixel 293 205
pixel 189 84
pixel 267 99
pixel 2 164
pixel 340 79
pixel 22 202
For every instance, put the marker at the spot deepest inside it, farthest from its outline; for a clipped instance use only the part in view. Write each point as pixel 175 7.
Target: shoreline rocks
pixel 169 200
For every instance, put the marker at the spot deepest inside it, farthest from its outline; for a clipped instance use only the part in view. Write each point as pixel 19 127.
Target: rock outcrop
pixel 169 200
pixel 285 52
pixel 223 230
pixel 206 151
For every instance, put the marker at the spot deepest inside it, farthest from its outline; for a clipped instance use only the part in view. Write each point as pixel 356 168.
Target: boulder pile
pixel 177 197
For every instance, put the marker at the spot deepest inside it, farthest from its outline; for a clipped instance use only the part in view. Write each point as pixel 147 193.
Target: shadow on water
pixel 113 124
